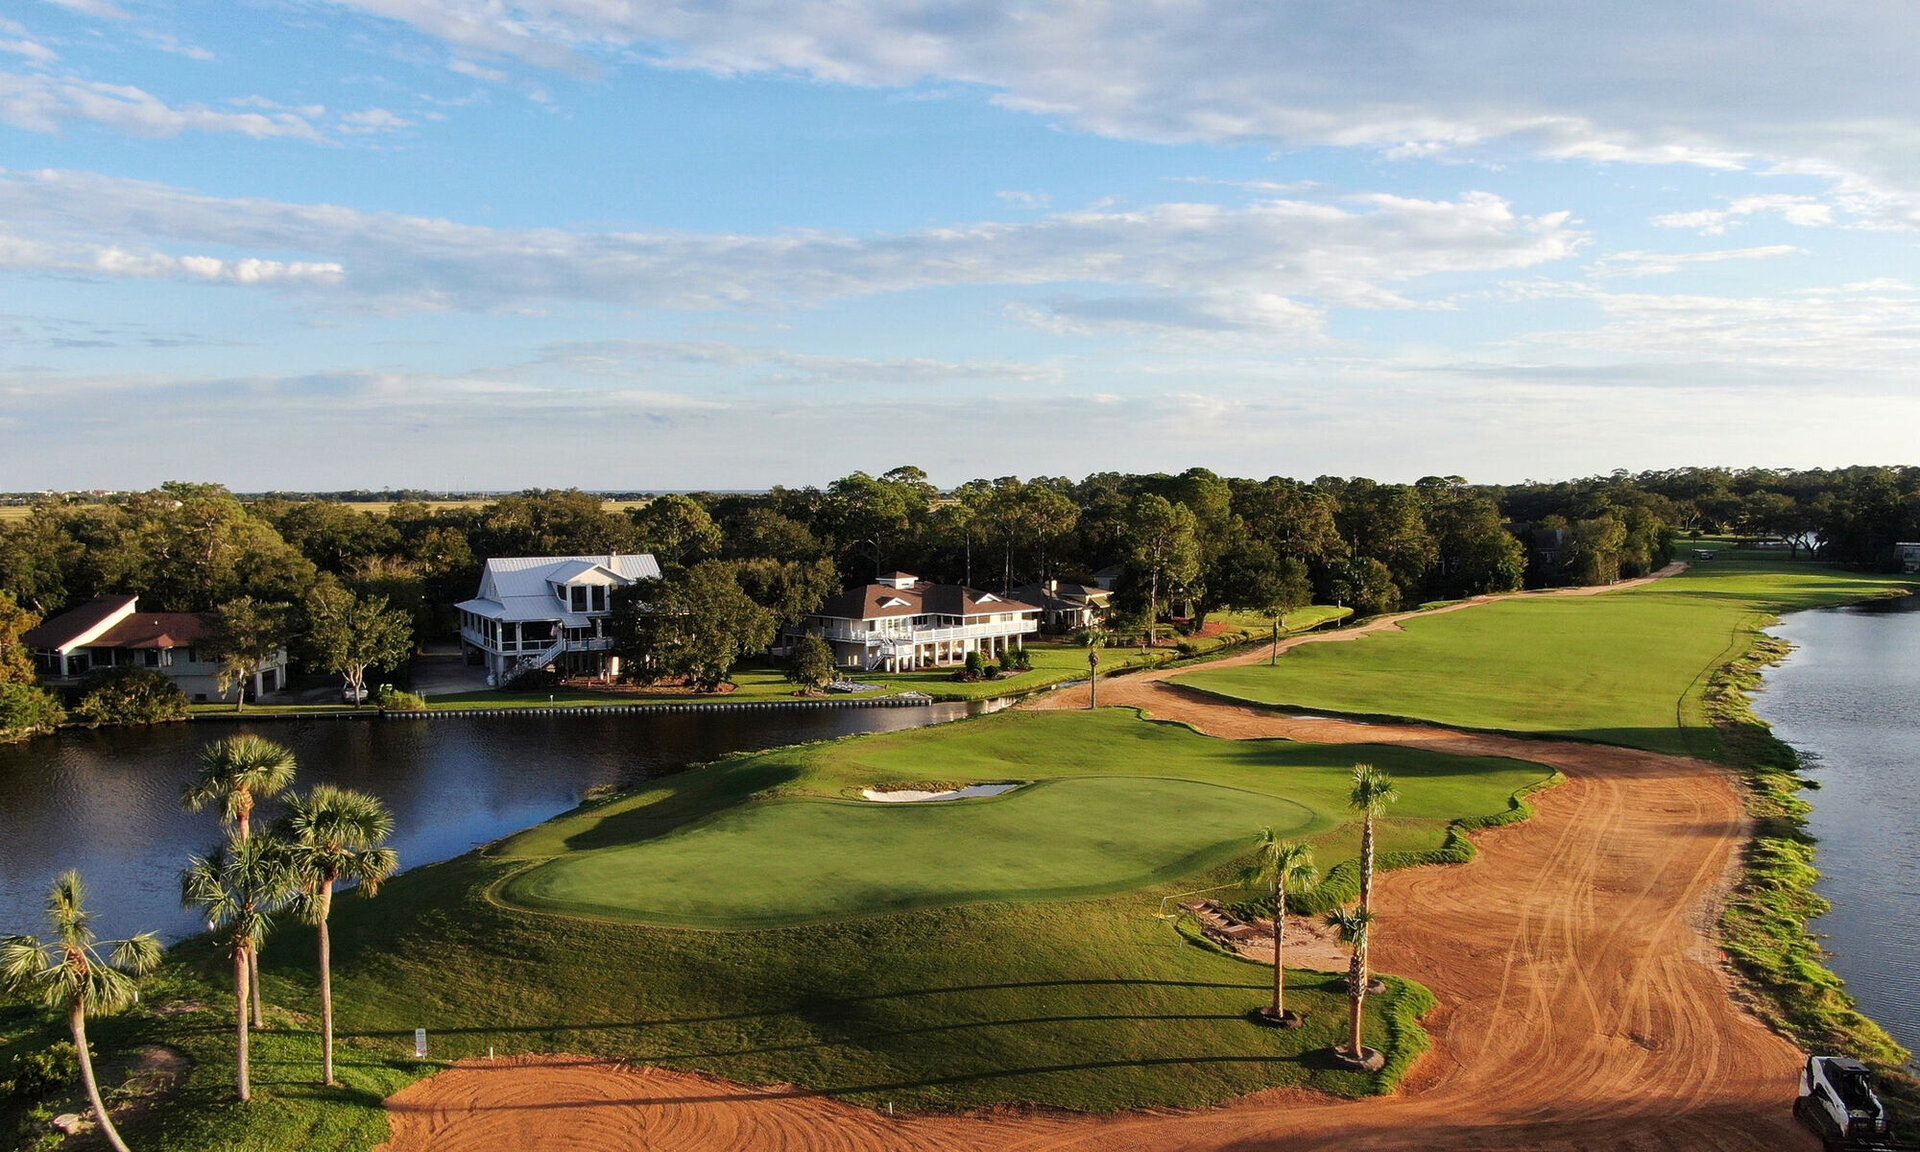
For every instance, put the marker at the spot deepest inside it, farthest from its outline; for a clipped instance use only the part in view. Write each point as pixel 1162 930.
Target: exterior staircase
pixel 527 664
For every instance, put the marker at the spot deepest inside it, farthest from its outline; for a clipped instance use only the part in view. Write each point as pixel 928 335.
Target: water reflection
pixel 108 803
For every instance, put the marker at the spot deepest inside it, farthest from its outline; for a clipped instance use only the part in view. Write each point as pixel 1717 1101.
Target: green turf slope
pixel 1115 803
pixel 1625 667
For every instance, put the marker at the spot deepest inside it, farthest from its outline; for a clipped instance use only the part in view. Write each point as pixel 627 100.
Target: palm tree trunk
pixel 1279 930
pixel 77 1017
pixel 253 988
pixel 1275 658
pixel 1356 997
pixel 1366 864
pixel 240 1005
pixel 326 982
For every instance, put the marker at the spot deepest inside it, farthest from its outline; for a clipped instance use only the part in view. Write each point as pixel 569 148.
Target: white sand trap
pixel 910 796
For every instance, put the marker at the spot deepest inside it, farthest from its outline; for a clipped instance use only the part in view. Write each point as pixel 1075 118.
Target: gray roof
pixel 518 587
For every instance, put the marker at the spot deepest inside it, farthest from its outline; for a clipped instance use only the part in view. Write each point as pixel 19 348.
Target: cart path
pixel 1582 1002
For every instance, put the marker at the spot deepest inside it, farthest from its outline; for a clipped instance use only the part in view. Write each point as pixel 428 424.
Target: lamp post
pixel 1093 678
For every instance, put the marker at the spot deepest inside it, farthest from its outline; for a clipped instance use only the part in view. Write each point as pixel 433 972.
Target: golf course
pixel 1112 803
pixel 1625 667
pixel 699 941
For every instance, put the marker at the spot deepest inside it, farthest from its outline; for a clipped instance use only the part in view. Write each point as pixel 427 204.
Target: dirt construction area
pixel 1583 1004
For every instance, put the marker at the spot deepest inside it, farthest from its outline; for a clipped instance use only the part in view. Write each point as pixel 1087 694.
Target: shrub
pixel 1019 657
pixel 391 699
pixel 976 664
pixel 810 662
pixel 31 1077
pixel 26 710
pixel 130 696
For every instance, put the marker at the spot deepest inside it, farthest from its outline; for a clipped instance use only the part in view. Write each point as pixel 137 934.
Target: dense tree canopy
pixel 1183 544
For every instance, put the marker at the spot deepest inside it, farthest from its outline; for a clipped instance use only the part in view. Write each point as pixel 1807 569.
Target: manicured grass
pixel 1118 803
pixel 1627 667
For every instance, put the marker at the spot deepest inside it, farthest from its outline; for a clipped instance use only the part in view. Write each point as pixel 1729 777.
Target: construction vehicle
pixel 1837 1101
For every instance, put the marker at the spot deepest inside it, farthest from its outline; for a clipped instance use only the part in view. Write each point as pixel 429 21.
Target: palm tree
pixel 1281 864
pixel 237 773
pixel 335 835
pixel 1093 638
pixel 239 885
pixel 68 973
pixel 1372 791
pixel 1353 925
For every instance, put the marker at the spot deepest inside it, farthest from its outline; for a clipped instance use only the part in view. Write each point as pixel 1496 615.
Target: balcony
pixel 905 637
pixel 535 647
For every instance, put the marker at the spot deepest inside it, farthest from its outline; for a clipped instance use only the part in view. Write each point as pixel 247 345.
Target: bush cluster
pixel 391 699
pixel 130 696
pixel 26 711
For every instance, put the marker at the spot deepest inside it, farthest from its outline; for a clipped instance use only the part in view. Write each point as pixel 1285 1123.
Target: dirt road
pixel 1582 1003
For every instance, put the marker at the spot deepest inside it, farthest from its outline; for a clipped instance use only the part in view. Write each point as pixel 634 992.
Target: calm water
pixel 1849 697
pixel 108 803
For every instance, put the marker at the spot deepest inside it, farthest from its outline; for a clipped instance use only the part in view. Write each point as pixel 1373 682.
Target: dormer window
pixel 577 597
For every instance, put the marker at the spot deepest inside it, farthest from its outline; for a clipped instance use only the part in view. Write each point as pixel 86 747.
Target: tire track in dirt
pixel 1582 1004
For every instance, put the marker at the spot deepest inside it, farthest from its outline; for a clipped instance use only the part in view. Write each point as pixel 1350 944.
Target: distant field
pixel 22 511
pixel 1624 667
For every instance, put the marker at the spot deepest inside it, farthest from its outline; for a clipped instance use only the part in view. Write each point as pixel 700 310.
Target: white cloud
pixel 1814 341
pixel 477 71
pixel 40 103
pixel 1362 253
pixel 32 50
pixel 1025 199
pixel 1667 263
pixel 1805 211
pixel 373 120
pixel 98 8
pixel 1721 83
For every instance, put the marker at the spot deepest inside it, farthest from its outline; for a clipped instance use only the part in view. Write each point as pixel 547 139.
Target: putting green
pixel 1065 838
pixel 1123 804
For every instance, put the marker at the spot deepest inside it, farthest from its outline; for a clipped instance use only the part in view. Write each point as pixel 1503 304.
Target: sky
pixel 496 244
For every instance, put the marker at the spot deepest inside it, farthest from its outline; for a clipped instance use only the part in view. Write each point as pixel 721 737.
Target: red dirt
pixel 1583 1004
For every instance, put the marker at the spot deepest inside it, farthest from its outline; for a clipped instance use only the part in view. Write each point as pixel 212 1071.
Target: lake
pixel 108 802
pixel 1849 699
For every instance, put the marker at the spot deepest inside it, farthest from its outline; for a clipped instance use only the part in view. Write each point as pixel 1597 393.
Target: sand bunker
pixel 910 796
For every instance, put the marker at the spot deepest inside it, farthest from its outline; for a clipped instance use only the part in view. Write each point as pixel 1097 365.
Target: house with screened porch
pixel 548 612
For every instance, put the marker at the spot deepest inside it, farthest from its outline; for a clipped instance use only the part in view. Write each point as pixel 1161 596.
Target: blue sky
pixel 501 243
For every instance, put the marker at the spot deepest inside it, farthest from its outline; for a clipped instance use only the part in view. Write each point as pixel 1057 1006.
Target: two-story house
pixel 900 623
pixel 112 632
pixel 548 611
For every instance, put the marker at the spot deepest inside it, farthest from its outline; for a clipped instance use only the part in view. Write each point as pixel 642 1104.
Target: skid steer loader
pixel 1837 1101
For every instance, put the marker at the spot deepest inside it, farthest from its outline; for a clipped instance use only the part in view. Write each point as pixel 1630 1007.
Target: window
pixel 578 598
pixel 151 657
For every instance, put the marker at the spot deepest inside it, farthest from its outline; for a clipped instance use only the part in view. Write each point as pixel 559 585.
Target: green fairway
pixel 1626 667
pixel 1118 803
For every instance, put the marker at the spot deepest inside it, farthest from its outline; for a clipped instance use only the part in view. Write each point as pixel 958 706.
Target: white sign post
pixel 420 1043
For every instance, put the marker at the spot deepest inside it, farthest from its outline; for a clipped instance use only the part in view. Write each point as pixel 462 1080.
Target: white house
pixel 900 623
pixel 1908 553
pixel 539 611
pixel 112 632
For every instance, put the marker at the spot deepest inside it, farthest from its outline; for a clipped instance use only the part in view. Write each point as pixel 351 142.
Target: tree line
pixel 1183 545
